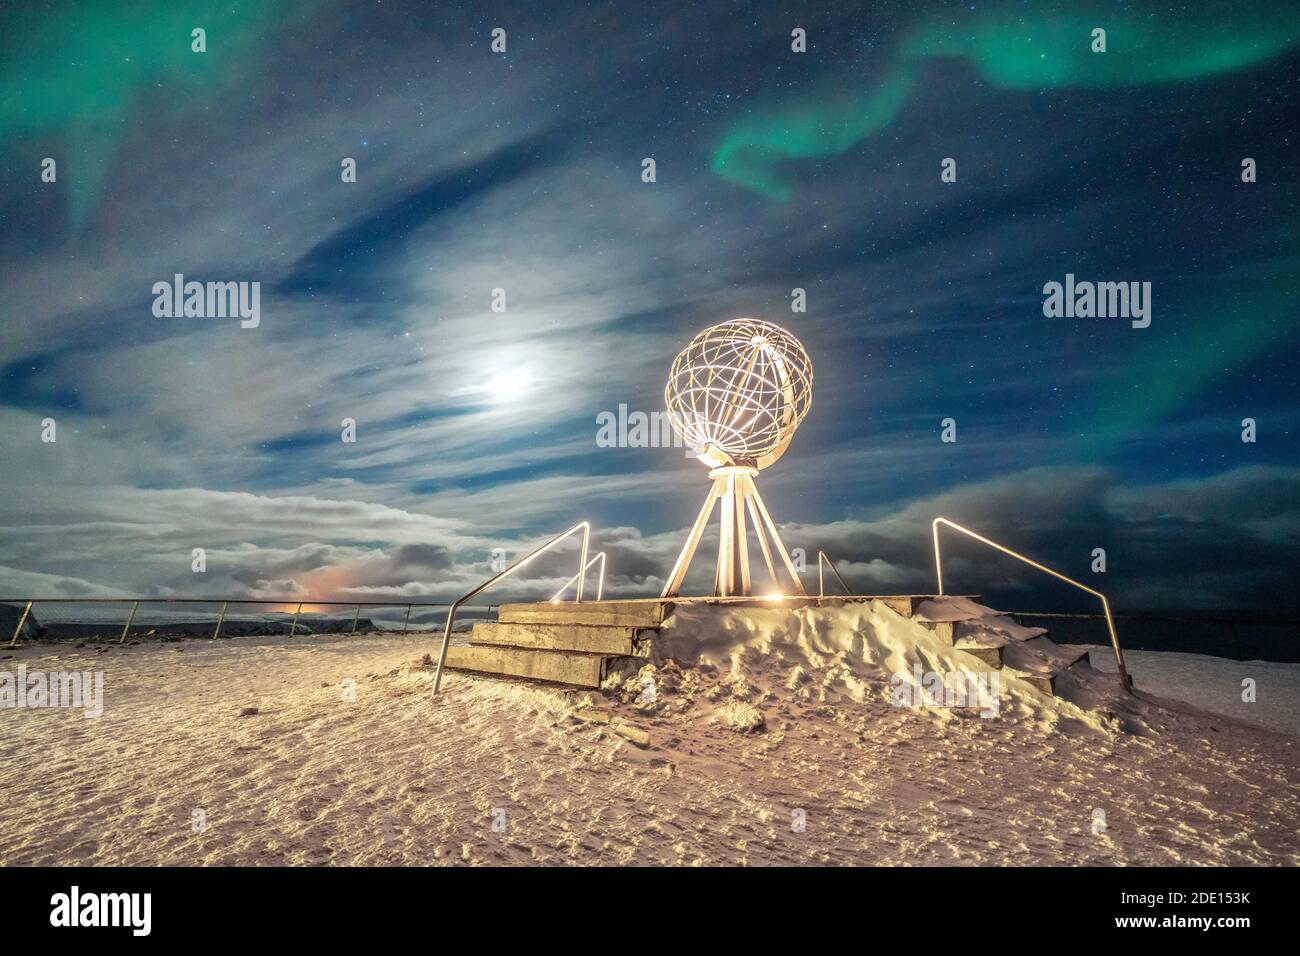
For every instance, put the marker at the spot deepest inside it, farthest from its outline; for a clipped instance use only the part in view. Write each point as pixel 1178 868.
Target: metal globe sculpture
pixel 736 394
pixel 738 391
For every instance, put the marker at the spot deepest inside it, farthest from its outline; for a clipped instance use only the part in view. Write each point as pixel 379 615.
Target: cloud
pixel 428 556
pixel 18 583
pixel 475 429
pixel 1225 541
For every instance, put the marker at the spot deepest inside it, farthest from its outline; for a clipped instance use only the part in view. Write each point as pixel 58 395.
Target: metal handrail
pixel 451 614
pixel 600 584
pixel 1105 604
pixel 821 584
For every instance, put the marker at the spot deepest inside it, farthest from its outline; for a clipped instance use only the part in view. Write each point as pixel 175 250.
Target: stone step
pixel 904 604
pixel 1044 682
pixel 1007 619
pixel 1062 659
pixel 1062 656
pixel 946 631
pixel 559 667
pixel 600 613
pixel 591 638
pixel 1076 654
pixel 990 654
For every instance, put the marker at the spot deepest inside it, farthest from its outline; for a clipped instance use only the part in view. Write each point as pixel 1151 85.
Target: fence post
pixel 407 619
pixel 1232 627
pixel 355 617
pixel 129 619
pixel 221 618
pixel 293 628
pixel 21 621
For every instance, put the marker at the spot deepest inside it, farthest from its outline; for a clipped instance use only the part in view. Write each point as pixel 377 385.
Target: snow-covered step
pixel 1048 663
pixel 601 613
pixel 560 667
pixel 904 604
pixel 990 654
pixel 946 631
pixel 1060 656
pixel 591 638
pixel 1046 682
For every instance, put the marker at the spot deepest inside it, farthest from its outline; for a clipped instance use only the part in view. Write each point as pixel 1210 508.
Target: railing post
pixel 1114 642
pixel 938 563
pixel 21 621
pixel 600 584
pixel 821 587
pixel 446 639
pixel 582 563
pixel 128 622
pixel 1105 604
pixel 220 619
pixel 451 612
pixel 407 619
pixel 355 617
pixel 293 628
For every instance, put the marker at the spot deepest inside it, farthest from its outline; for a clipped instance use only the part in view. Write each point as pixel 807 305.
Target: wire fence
pixel 1240 637
pixel 57 618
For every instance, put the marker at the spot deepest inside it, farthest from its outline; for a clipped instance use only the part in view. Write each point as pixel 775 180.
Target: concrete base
pixel 990 654
pixel 581 644
pixel 589 638
pixel 593 613
pixel 558 667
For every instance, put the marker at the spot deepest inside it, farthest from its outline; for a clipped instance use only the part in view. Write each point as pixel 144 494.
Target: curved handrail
pixel 821 585
pixel 1105 604
pixel 600 583
pixel 451 613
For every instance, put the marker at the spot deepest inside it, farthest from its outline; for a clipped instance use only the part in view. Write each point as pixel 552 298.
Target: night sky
pixel 775 170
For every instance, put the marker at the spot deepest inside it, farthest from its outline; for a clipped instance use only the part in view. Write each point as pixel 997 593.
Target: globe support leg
pixel 674 585
pixel 735 492
pixel 724 582
pixel 776 539
pixel 762 541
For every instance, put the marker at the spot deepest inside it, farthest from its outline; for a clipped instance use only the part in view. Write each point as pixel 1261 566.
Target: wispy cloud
pixel 475 429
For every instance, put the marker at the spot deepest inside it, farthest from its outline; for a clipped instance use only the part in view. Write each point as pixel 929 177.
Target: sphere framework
pixel 736 394
pixel 738 391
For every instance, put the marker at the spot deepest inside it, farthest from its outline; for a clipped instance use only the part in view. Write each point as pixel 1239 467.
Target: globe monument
pixel 736 394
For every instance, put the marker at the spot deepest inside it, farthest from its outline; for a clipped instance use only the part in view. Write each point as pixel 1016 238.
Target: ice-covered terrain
pixel 752 736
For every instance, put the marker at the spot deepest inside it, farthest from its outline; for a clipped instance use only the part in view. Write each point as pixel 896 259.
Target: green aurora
pixel 75 73
pixel 1052 50
pixel 1240 319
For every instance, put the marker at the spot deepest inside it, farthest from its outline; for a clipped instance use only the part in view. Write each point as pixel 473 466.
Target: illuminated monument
pixel 736 394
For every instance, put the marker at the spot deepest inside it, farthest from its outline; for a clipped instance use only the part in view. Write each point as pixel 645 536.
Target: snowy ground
pixel 1215 684
pixel 776 742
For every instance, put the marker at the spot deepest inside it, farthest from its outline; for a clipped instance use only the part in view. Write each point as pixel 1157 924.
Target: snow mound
pixel 867 651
